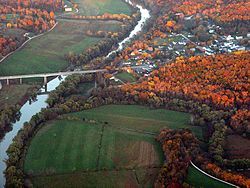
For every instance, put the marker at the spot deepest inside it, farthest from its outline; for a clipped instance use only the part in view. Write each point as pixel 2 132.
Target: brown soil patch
pixel 138 154
pixel 237 147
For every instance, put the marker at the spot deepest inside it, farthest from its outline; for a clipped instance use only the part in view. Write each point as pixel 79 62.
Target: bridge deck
pixel 51 74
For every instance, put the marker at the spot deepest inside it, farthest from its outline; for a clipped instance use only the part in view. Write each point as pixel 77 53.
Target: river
pixel 28 110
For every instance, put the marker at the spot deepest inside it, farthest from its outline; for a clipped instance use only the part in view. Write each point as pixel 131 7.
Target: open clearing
pixel 46 53
pixel 97 7
pixel 112 179
pixel 139 118
pixel 12 94
pixel 197 179
pixel 125 77
pixel 101 146
pixel 237 147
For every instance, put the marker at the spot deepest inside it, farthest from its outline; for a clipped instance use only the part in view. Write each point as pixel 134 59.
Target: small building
pixel 68 9
pixel 239 37
pixel 242 48
pixel 229 38
pixel 211 31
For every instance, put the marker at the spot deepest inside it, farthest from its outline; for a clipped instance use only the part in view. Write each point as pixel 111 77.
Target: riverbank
pixel 34 108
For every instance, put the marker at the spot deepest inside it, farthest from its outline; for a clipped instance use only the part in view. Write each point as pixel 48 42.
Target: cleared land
pixel 112 179
pixel 46 53
pixel 109 141
pixel 125 77
pixel 237 147
pixel 64 146
pixel 97 7
pixel 139 118
pixel 11 95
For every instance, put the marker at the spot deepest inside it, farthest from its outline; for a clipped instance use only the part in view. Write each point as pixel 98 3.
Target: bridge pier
pixel 45 81
pixel 21 81
pixel 7 82
pixel 95 84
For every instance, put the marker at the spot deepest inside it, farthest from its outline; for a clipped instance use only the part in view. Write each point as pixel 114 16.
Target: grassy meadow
pixel 12 94
pixel 110 179
pixel 97 7
pixel 125 77
pixel 196 179
pixel 139 118
pixel 100 146
pixel 46 53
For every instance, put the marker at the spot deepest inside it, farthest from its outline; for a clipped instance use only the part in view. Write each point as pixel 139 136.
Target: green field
pixel 125 77
pixel 46 53
pixel 11 95
pixel 132 115
pixel 97 7
pixel 197 179
pixel 110 141
pixel 109 179
pixel 64 146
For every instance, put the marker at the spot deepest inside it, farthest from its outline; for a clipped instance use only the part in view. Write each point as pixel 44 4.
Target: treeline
pixel 8 115
pixel 9 44
pixel 49 5
pixel 105 16
pixel 102 48
pixel 179 147
pixel 216 147
pixel 102 34
pixel 31 20
pixel 67 88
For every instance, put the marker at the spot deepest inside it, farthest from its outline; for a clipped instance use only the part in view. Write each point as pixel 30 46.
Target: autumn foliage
pixel 228 176
pixel 220 81
pixel 105 16
pixel 8 44
pixel 241 120
pixel 32 20
pixel 49 5
pixel 31 16
pixel 222 11
pixel 179 147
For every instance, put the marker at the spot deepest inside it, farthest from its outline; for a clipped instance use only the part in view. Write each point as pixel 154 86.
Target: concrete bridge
pixel 45 76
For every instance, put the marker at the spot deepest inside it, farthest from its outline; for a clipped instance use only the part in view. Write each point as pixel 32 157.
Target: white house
pixel 239 37
pixel 68 9
pixel 229 37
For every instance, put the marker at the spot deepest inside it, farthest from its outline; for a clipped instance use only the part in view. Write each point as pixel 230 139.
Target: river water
pixel 28 110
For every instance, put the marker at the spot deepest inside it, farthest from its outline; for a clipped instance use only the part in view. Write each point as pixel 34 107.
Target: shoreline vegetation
pixel 30 44
pixel 188 106
pixel 76 103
